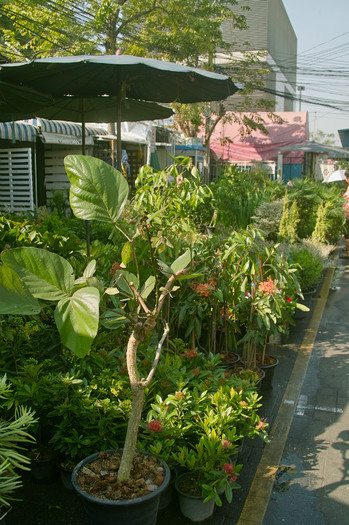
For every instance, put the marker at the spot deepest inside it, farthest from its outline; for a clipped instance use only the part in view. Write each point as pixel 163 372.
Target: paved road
pixel 312 485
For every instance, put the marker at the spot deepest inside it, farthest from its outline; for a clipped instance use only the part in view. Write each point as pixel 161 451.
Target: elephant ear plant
pixel 29 275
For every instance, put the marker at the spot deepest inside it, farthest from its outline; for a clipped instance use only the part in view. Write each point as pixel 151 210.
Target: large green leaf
pixel 46 275
pixel 148 287
pixel 77 320
pixel 181 262
pixel 14 298
pixel 98 191
pixel 122 280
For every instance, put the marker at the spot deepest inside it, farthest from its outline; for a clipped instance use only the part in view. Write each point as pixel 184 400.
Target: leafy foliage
pixel 14 437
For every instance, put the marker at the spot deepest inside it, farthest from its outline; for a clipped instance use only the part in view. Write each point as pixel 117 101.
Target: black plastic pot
pixel 138 511
pixel 43 470
pixel 228 360
pixel 169 493
pixel 267 381
pixel 65 475
pixel 301 314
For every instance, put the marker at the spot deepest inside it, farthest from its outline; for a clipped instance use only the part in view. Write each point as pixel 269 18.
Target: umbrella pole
pixel 118 132
pixel 83 143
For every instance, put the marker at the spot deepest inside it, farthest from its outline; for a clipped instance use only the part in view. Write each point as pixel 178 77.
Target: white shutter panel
pixel 16 180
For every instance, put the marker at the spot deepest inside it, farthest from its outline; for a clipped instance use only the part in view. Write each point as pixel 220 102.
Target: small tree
pixel 98 192
pixel 320 230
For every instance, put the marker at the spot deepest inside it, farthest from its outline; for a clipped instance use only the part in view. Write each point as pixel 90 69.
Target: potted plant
pixel 262 280
pixel 199 428
pixel 135 299
pixel 209 474
pixel 32 387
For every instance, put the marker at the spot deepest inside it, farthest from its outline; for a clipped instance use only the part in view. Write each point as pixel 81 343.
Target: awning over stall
pixel 61 132
pixel 18 131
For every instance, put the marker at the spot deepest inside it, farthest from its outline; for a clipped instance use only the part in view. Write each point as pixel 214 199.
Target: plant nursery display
pixel 98 192
pixel 142 362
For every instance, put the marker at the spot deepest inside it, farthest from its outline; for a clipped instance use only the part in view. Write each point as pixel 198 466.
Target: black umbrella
pixel 121 76
pixel 102 109
pixel 17 102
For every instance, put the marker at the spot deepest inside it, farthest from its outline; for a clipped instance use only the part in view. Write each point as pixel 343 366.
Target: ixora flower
pixel 232 479
pixel 179 395
pixel 226 444
pixel 154 426
pixel 262 424
pixel 288 300
pixel 205 289
pixel 267 286
pixel 115 267
pixel 190 354
pixel 228 468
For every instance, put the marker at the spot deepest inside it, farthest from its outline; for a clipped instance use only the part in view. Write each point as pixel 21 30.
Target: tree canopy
pixel 188 31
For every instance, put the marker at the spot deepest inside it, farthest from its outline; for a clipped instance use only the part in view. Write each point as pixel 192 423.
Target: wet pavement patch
pixel 283 478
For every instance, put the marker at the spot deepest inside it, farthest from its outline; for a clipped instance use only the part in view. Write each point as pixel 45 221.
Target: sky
pixel 322 30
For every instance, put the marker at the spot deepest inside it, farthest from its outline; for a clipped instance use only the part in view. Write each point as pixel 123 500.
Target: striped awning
pixel 66 128
pixel 52 131
pixel 18 131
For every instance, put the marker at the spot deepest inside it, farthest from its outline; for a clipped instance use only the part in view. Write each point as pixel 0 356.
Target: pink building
pixel 229 147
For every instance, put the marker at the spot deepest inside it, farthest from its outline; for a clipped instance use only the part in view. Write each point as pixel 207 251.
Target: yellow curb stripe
pixel 259 494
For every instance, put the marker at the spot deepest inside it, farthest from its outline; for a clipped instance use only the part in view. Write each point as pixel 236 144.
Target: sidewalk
pixel 312 484
pixel 301 476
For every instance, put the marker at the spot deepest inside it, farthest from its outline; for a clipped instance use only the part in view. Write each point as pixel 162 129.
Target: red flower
pixel 262 424
pixel 288 299
pixel 205 289
pixel 154 426
pixel 196 372
pixel 190 354
pixel 228 468
pixel 268 286
pixel 179 395
pixel 115 267
pixel 231 479
pixel 226 443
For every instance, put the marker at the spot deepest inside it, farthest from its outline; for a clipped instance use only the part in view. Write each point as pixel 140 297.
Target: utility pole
pixel 300 89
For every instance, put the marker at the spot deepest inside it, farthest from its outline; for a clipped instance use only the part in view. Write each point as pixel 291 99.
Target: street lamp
pixel 300 89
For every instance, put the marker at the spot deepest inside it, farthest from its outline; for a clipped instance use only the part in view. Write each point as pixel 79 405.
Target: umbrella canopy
pixel 17 102
pixel 102 109
pixel 335 176
pixel 135 77
pixel 316 147
pixel 121 76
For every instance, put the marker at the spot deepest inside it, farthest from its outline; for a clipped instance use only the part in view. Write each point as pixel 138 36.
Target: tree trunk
pixel 137 389
pixel 132 432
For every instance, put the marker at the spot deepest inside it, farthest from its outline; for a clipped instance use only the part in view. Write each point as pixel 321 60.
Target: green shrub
pixel 267 218
pixel 310 268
